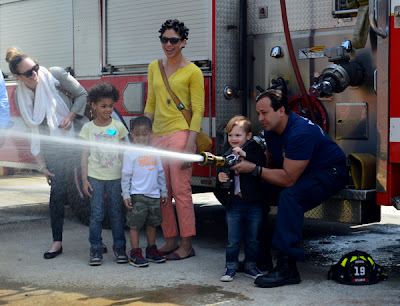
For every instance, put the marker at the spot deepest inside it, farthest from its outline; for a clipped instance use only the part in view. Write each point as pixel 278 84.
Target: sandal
pixel 175 256
pixel 164 253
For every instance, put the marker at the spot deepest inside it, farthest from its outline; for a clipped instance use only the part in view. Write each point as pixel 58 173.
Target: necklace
pixel 173 78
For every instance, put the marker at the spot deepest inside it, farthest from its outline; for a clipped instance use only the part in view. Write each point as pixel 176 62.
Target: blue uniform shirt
pixel 303 140
pixel 4 106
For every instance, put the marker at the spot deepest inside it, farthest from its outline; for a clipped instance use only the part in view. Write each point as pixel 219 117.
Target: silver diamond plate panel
pixel 348 206
pixel 226 63
pixel 302 15
pixel 87 38
pixel 203 181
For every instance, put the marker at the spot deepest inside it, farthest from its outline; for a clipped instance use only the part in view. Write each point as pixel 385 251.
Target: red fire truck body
pixel 345 52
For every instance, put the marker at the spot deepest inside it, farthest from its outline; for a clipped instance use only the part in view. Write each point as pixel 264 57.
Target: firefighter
pixel 306 165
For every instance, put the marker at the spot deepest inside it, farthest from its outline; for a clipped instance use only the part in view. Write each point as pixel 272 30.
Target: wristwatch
pixel 255 171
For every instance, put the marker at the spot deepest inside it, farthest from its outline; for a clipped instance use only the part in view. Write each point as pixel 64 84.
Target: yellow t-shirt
pixel 103 161
pixel 188 85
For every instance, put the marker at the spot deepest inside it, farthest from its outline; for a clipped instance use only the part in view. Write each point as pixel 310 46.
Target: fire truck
pixel 335 59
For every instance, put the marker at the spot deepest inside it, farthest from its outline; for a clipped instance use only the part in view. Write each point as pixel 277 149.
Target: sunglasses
pixel 29 73
pixel 173 40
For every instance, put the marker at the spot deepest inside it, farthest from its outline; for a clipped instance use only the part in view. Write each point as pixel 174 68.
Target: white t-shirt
pixel 143 174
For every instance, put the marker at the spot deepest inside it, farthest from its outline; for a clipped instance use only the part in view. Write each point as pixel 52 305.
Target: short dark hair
pixel 176 25
pixel 140 121
pixel 277 97
pixel 102 90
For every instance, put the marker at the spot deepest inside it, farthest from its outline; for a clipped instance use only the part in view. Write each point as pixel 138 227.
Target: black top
pixel 250 186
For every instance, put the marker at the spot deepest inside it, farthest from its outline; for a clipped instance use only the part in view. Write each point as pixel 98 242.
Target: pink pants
pixel 179 187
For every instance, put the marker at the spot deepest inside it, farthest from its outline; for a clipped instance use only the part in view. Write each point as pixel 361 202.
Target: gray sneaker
pixel 120 255
pixel 96 255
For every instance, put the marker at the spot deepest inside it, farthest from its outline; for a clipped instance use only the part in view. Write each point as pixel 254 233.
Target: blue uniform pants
pixel 311 189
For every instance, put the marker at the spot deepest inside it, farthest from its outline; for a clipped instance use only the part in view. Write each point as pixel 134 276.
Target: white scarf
pixel 45 103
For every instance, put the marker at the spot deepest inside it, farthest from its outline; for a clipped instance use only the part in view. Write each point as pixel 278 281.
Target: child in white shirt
pixel 144 191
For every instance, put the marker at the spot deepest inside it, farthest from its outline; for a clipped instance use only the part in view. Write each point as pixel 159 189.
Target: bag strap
pixel 178 103
pixel 65 92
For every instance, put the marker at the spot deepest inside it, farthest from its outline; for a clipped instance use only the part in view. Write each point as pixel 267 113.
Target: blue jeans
pixel 112 189
pixel 243 220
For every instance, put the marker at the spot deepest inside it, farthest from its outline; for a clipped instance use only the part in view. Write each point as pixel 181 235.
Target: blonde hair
pixel 14 57
pixel 241 121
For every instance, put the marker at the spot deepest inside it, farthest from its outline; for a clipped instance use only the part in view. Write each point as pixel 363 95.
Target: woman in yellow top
pixel 172 132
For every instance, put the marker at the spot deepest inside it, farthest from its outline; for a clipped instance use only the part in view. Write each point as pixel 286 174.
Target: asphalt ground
pixel 27 279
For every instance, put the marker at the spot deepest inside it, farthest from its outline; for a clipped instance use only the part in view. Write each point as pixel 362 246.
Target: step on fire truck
pixel 336 59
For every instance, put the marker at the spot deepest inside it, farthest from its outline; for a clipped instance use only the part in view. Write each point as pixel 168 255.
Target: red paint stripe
pixel 394 68
pixel 394 152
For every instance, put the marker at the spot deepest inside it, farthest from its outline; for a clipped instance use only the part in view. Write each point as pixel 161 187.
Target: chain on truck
pixel 336 59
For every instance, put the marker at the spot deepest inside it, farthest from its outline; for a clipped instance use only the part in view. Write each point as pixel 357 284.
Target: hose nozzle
pixel 210 159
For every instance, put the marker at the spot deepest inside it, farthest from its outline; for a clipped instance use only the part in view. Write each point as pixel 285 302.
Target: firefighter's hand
pixel 128 203
pixel 223 177
pixel 243 167
pixel 163 200
pixel 48 175
pixel 87 187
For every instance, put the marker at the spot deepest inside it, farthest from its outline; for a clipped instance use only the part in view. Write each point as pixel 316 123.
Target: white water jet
pixel 75 143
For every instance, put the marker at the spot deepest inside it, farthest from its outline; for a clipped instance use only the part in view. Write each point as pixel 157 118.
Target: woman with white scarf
pixel 44 101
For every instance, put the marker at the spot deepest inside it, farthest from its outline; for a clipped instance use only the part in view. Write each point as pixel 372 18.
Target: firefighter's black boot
pixel 285 273
pixel 264 261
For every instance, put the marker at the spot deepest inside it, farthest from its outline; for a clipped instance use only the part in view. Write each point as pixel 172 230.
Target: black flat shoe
pixel 50 255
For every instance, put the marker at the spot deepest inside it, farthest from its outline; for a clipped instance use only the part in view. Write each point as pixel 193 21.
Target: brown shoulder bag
pixel 204 142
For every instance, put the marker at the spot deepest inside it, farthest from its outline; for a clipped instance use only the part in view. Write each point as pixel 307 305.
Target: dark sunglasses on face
pixel 173 40
pixel 29 73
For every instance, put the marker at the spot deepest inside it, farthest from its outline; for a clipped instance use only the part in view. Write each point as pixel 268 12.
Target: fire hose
pixel 294 61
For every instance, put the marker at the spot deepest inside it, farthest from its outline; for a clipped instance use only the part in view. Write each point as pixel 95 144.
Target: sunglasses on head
pixel 173 40
pixel 29 73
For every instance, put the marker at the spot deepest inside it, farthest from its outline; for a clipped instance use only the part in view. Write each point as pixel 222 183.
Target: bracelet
pixel 42 167
pixel 255 171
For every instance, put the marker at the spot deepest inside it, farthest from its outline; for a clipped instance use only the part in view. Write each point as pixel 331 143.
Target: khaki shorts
pixel 145 211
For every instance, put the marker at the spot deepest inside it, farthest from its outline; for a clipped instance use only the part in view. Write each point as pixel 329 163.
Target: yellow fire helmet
pixel 357 268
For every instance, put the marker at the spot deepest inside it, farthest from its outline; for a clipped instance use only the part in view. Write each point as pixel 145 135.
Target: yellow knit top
pixel 188 85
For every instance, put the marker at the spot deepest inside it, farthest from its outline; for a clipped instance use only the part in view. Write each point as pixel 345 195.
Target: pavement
pixel 27 279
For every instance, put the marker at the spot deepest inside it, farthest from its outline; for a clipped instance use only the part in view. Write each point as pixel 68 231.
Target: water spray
pixel 204 158
pixel 105 147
